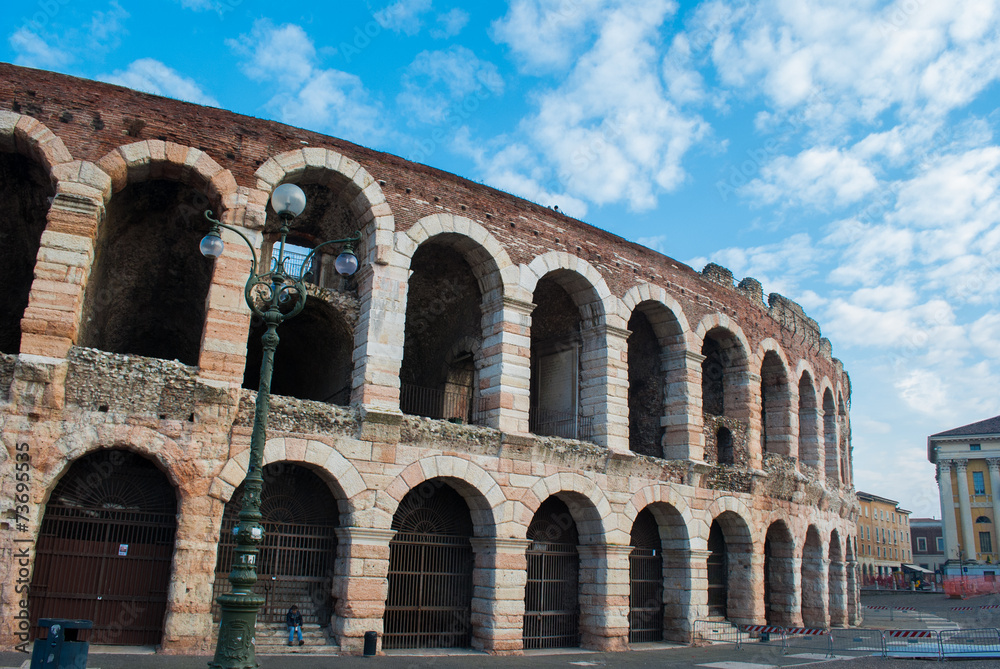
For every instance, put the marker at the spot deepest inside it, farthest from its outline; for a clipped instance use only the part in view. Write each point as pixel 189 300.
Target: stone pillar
pixel 604 385
pixel 683 418
pixel 831 451
pixel 965 510
pixel 838 593
pixel 853 591
pixel 498 600
pixel 746 405
pixel 378 336
pixel 505 377
pixel 697 566
pixel 604 597
pixel 679 594
pixel 994 465
pixel 781 421
pixel 810 439
pixel 785 582
pixel 814 592
pixel 949 526
pixel 188 624
pixel 361 585
pixel 745 605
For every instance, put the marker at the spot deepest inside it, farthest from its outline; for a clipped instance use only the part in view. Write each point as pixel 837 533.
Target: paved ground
pixel 935 612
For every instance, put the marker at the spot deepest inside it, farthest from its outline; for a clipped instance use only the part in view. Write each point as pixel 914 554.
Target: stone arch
pixel 729 398
pixel 481 491
pixel 489 261
pixel 809 439
pixel 33 139
pixel 656 493
pixel 781 604
pixel 585 285
pixel 319 456
pixel 778 416
pixel 814 579
pixel 831 446
pixel 591 511
pixel 733 572
pixel 651 293
pixel 837 581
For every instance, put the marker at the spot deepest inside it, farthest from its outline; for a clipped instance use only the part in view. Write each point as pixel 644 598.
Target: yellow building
pixel 968 462
pixel 883 536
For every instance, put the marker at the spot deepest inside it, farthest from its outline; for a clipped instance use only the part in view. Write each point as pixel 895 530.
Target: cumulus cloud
pixel 437 80
pixel 34 51
pixel 450 23
pixel 35 46
pixel 818 177
pixel 152 76
pixel 545 35
pixel 404 16
pixel 284 57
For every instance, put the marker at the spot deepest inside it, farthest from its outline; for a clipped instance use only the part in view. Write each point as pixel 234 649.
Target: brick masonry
pixel 65 400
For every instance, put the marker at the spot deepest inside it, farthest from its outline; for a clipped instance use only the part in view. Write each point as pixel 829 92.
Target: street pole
pixel 267 294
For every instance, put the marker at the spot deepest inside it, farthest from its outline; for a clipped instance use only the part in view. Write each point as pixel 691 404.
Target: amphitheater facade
pixel 508 430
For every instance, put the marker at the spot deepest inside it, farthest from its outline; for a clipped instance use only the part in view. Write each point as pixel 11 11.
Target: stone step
pixel 273 640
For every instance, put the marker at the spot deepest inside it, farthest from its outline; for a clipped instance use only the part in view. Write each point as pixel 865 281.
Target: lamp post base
pixel 236 647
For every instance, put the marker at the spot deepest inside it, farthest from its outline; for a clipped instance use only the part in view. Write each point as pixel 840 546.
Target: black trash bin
pixel 62 649
pixel 371 643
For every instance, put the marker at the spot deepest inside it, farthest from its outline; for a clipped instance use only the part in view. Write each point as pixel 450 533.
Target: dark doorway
pixel 645 614
pixel 718 572
pixel 551 599
pixel 296 560
pixel 105 547
pixel 430 571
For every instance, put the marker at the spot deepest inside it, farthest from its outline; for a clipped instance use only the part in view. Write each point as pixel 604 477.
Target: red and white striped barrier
pixel 964 608
pixel 991 606
pixel 909 634
pixel 878 608
pixel 905 608
pixel 805 631
pixel 769 629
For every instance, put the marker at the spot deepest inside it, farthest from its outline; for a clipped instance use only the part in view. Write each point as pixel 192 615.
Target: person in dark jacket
pixel 294 621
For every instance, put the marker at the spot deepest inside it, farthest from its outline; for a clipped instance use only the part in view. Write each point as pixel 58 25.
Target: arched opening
pixel 296 560
pixel 718 572
pixel 724 444
pixel 844 445
pixel 813 580
pixel 551 597
pixel 314 359
pixel 720 372
pixel 105 547
pixel 556 351
pixel 645 615
pixel 838 582
pixel 809 445
pixel 646 387
pixel 775 400
pixel 443 334
pixel 147 291
pixel 25 190
pixel 852 581
pixel 780 602
pixel 429 604
pixel 830 438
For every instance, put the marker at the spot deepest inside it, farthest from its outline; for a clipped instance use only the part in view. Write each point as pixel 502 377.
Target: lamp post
pixel 275 296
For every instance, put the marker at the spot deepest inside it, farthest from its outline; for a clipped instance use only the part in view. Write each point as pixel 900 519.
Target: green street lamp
pixel 275 296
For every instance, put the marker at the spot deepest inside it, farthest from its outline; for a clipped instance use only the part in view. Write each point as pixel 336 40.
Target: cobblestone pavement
pixel 934 611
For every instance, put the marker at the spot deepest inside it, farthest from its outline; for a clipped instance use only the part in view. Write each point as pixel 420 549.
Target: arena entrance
pixel 551 601
pixel 645 614
pixel 429 604
pixel 296 561
pixel 105 548
pixel 718 572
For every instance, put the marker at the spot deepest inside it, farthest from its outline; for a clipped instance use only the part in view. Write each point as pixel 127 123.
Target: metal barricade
pixel 856 642
pixel 712 631
pixel 806 639
pixel 969 643
pixel 911 643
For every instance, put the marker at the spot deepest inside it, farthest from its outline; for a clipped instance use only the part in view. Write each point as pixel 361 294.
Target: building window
pixel 978 483
pixel 940 544
pixel 922 544
pixel 866 512
pixel 983 520
pixel 975 447
pixel 985 542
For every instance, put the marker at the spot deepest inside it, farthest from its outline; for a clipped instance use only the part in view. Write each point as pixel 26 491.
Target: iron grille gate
pixel 430 592
pixel 645 614
pixel 295 566
pixel 110 566
pixel 551 607
pixel 718 573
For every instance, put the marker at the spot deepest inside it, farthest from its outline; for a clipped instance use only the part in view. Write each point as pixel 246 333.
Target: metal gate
pixel 429 603
pixel 296 560
pixel 104 549
pixel 718 572
pixel 551 602
pixel 645 614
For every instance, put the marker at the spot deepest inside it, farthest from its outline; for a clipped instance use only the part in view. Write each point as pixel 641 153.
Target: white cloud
pixel 450 23
pixel 436 81
pixel 817 177
pixel 780 267
pixel 34 51
pixel 546 34
pixel 306 95
pixel 152 76
pixel 403 16
pixel 35 47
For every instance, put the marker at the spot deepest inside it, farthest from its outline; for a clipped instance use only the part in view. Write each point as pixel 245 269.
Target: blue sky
pixel 843 152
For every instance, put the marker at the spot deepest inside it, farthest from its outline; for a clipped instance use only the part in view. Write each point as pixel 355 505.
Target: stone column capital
pixel 692 356
pixel 487 545
pixel 604 550
pixel 961 466
pixel 365 536
pixel 605 331
pixel 994 464
pixel 512 303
